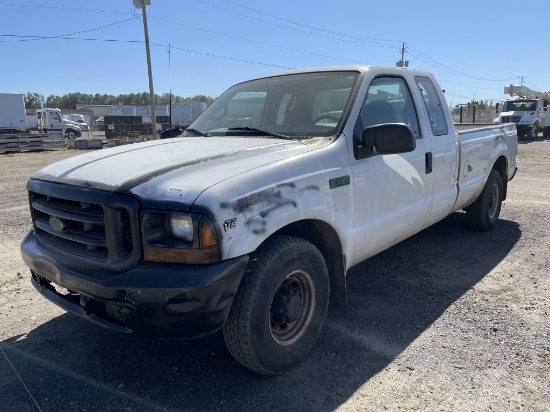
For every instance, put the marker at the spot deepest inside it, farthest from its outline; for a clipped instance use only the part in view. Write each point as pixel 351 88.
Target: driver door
pixel 393 193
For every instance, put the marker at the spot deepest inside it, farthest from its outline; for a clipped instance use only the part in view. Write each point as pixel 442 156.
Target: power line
pixel 427 59
pixel 305 25
pixel 363 40
pixel 228 58
pixel 415 52
pixel 463 85
pixel 77 32
pixel 64 8
pixel 364 43
pixel 255 41
pixel 153 44
pixel 69 38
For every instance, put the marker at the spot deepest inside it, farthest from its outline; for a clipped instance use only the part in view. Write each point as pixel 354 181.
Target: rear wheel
pixel 280 306
pixel 546 132
pixel 483 213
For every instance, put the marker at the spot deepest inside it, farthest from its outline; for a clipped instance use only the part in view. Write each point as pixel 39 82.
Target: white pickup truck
pixel 250 221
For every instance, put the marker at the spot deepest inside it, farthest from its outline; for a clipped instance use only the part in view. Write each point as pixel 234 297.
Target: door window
pixel 438 123
pixel 389 101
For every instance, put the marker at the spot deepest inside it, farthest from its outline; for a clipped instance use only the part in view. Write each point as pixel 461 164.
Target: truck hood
pixel 176 170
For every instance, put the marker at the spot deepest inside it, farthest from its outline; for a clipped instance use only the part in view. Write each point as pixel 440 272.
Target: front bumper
pixel 155 300
pixel 524 127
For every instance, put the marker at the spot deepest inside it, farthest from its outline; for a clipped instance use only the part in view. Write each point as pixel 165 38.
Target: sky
pixel 474 48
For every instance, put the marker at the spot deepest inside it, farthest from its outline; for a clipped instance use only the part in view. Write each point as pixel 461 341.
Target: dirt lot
pixel 449 320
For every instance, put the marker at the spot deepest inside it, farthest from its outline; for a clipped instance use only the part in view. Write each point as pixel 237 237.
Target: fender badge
pixel 339 181
pixel 230 224
pixel 57 224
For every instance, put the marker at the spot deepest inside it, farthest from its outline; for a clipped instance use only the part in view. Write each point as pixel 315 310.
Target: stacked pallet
pixel 28 142
pixel 20 143
pixel 53 141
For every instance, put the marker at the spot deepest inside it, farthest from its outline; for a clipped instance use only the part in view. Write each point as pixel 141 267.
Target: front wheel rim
pixel 292 308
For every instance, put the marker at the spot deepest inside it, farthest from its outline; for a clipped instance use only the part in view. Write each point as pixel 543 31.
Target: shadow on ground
pixel 70 364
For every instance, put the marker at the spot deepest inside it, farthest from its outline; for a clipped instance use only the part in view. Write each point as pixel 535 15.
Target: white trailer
pixel 13 118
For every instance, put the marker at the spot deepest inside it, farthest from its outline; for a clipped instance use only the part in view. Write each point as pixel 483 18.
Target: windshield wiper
pixel 196 132
pixel 265 132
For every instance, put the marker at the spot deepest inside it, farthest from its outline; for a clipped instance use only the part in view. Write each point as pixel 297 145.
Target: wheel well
pixel 325 238
pixel 501 166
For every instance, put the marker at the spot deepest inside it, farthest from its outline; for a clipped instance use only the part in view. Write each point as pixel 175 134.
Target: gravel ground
pixel 448 320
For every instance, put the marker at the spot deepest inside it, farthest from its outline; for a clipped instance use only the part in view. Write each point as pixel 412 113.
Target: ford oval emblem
pixel 57 224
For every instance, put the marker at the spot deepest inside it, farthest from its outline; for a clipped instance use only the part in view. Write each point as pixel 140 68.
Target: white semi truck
pixel 79 119
pixel 529 111
pixel 14 118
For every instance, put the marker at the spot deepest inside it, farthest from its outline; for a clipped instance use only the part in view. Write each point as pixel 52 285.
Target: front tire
pixel 484 212
pixel 70 134
pixel 280 306
pixel 533 133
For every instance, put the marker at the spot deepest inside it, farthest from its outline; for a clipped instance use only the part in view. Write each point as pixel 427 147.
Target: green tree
pixel 33 100
pixel 70 100
pixel 53 101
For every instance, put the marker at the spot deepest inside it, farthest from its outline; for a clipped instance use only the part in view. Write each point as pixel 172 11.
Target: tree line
pixel 70 100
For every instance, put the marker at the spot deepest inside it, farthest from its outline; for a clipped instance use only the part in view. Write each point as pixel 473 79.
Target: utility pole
pixel 402 62
pixel 141 4
pixel 170 85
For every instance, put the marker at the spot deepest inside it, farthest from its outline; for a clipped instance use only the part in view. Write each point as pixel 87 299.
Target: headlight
pixel 181 226
pixel 179 238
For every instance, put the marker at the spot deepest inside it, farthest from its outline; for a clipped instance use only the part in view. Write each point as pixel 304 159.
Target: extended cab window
pixel 433 105
pixel 389 101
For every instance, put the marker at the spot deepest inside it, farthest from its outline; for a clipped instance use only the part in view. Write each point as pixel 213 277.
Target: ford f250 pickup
pixel 251 219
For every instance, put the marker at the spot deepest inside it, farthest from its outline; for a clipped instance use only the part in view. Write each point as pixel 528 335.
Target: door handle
pixel 429 162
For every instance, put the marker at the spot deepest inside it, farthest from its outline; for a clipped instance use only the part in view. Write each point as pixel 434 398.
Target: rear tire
pixel 484 212
pixel 280 306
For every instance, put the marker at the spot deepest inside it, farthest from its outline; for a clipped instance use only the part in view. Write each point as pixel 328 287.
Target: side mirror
pixel 496 107
pixel 389 138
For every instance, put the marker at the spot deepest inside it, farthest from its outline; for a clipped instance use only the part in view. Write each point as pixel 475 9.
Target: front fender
pixel 258 216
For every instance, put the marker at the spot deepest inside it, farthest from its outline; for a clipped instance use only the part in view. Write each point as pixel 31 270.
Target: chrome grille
pixel 511 119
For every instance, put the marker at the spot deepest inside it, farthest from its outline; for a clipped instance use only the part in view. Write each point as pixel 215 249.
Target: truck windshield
pixel 519 106
pixel 290 106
